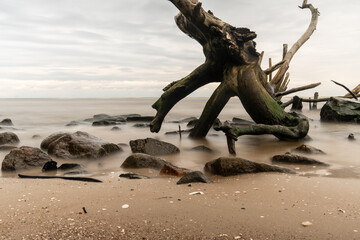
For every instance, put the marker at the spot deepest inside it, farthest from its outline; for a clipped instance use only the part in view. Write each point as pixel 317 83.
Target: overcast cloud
pixel 116 48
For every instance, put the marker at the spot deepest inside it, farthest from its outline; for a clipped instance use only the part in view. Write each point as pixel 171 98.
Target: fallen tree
pixel 232 60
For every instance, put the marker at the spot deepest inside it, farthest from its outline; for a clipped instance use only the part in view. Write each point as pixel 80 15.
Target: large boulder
pixel 24 158
pixel 153 147
pixel 296 159
pixel 8 138
pixel 341 110
pixel 78 145
pixel 141 160
pixel 225 166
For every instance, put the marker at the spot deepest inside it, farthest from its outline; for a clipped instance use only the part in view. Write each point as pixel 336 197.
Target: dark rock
pixel 202 148
pixel 101 115
pixel 24 158
pixel 351 136
pixel 36 136
pixel 185 120
pixel 233 166
pixel 133 176
pixel 296 159
pixel 141 125
pixel 140 119
pixel 78 145
pixel 6 148
pixel 141 160
pixel 341 110
pixel 153 147
pixel 103 123
pixel 6 122
pixel 68 166
pixel 308 149
pixel 72 124
pixel 169 169
pixel 49 166
pixel 115 128
pixel 192 177
pixel 192 123
pixel 8 138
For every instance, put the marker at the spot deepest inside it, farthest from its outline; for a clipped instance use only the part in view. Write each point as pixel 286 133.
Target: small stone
pixel 351 137
pixel 125 206
pixel 306 223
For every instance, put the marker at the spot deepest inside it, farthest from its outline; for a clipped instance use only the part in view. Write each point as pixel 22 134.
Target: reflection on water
pixel 46 116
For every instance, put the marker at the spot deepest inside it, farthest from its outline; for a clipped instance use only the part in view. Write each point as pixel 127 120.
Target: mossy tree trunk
pixel 231 60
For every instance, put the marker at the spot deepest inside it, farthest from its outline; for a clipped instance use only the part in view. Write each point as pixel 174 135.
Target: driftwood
pixel 353 95
pixel 231 60
pixel 297 89
pixel 84 179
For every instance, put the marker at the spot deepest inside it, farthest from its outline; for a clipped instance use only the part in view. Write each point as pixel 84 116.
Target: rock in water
pixel 141 160
pixel 234 166
pixel 133 176
pixel 296 159
pixel 8 138
pixel 192 177
pixel 49 166
pixel 24 158
pixel 78 145
pixel 341 110
pixel 153 147
pixel 169 169
pixel 6 122
pixel 308 149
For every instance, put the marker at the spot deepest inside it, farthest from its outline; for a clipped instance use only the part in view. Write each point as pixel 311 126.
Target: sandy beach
pixel 261 206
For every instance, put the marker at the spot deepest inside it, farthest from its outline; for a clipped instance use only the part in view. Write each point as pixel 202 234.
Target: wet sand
pixel 261 206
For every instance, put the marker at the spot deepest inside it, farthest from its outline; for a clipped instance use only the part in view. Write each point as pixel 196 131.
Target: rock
pixel 72 124
pixel 133 176
pixel 78 145
pixel 6 148
pixel 68 166
pixel 141 160
pixel 115 128
pixel 202 148
pixel 308 149
pixel 341 110
pixel 169 169
pixel 24 158
pixel 103 123
pixel 6 122
pixel 140 119
pixel 233 166
pixel 153 147
pixel 351 136
pixel 141 125
pixel 101 115
pixel 36 136
pixel 296 159
pixel 49 166
pixel 192 177
pixel 8 138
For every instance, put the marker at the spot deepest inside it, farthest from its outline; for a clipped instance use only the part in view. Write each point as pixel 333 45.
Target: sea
pixel 43 117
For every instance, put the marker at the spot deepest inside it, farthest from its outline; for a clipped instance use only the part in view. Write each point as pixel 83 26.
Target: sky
pixel 118 48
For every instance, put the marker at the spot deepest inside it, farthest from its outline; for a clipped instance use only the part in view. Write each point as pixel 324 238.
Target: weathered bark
pixel 232 60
